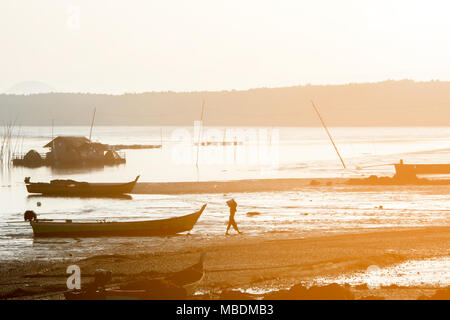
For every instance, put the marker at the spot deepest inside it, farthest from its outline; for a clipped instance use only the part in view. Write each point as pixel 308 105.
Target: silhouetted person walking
pixel 231 222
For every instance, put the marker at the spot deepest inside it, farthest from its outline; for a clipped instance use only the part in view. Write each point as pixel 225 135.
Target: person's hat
pixel 231 203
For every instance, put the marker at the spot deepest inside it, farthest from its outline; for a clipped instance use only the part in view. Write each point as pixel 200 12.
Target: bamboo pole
pixel 328 133
pixel 92 124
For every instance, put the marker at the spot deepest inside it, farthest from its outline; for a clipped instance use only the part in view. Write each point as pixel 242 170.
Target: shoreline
pixel 242 263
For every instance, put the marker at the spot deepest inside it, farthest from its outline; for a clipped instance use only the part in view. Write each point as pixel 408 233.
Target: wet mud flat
pixel 274 185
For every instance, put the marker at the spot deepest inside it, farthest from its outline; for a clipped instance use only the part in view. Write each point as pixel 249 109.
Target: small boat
pixel 75 188
pixel 172 286
pixel 411 170
pixel 67 228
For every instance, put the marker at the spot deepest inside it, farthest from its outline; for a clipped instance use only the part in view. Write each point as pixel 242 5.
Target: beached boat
pixel 68 228
pixel 171 286
pixel 75 188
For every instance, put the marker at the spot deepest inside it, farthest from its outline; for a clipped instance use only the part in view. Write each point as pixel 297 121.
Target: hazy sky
pixel 135 46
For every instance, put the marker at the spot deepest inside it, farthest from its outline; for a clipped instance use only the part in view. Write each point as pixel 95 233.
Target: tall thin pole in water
pixel 200 131
pixel 92 124
pixel 328 133
pixel 53 140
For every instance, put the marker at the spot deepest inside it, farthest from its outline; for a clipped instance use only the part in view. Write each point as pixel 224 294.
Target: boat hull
pixel 110 294
pixel 412 170
pixel 163 227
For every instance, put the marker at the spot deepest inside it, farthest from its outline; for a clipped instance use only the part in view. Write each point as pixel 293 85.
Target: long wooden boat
pixel 75 188
pixel 172 286
pixel 411 170
pixel 162 227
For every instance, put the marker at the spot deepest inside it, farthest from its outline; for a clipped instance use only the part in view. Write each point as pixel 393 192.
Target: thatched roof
pixel 68 140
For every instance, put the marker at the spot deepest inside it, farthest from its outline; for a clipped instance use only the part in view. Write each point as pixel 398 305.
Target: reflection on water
pixel 429 273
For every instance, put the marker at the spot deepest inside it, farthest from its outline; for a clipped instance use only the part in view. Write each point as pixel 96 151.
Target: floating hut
pixel 72 151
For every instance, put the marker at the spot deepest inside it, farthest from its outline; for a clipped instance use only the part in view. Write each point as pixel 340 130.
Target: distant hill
pixel 388 103
pixel 30 87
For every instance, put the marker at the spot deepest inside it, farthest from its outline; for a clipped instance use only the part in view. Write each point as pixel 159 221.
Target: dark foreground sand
pixel 243 262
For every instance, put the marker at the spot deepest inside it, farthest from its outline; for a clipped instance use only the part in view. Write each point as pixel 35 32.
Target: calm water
pixel 299 152
pixel 419 273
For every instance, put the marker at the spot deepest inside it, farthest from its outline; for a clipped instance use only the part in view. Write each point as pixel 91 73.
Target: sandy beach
pixel 232 186
pixel 240 262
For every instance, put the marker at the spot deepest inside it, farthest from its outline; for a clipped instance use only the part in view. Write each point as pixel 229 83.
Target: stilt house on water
pixel 72 151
